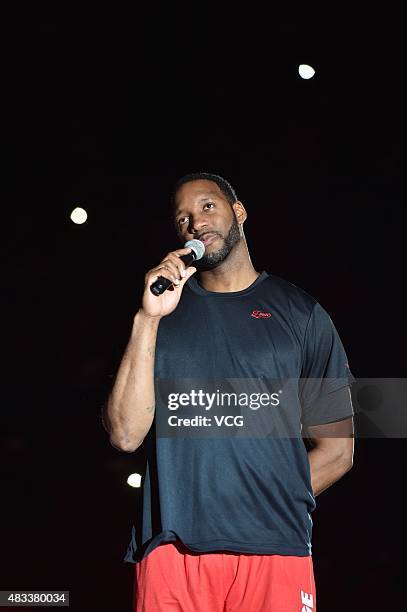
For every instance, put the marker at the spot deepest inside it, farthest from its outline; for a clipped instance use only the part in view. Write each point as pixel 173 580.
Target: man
pixel 226 522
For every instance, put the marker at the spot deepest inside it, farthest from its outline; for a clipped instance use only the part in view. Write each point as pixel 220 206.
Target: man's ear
pixel 240 212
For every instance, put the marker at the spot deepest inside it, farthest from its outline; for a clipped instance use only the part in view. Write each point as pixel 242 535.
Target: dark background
pixel 106 113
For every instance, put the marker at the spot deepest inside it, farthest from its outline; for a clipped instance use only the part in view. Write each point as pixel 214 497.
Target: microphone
pixel 198 249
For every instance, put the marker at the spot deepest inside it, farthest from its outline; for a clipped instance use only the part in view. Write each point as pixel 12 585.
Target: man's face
pixel 202 212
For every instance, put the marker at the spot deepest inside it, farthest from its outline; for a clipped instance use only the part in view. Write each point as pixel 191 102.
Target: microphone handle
pixel 162 283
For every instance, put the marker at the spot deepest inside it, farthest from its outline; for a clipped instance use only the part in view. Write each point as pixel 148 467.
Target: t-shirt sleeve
pixel 326 376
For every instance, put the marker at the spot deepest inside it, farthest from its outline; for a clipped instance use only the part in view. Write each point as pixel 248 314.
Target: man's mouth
pixel 208 238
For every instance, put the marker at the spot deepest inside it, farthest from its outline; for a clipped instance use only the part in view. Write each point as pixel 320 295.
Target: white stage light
pixel 79 215
pixel 305 71
pixel 134 480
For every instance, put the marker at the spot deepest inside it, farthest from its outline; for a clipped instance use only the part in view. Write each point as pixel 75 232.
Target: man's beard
pixel 209 261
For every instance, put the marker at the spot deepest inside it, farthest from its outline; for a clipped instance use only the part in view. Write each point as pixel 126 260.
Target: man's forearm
pixel 326 468
pixel 129 410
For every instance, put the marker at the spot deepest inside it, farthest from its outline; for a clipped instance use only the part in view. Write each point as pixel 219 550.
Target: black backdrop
pixel 106 113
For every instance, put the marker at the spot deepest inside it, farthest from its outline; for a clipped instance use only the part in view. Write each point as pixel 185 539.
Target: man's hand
pixel 173 268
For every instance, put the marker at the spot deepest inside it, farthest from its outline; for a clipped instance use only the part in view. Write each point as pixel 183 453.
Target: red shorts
pixel 172 577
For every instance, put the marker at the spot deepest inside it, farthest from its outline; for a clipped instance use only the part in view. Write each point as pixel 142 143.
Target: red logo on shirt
pixel 258 314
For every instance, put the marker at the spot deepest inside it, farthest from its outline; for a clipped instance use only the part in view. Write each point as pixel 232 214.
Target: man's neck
pixel 236 273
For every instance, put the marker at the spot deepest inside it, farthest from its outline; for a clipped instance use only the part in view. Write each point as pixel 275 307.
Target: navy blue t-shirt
pixel 240 493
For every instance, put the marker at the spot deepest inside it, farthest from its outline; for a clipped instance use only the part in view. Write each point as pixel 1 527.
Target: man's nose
pixel 197 223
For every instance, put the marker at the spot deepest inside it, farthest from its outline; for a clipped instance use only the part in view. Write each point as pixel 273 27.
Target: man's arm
pixel 332 453
pixel 129 410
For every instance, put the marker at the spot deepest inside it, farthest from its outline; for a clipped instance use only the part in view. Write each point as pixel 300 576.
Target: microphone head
pixel 197 246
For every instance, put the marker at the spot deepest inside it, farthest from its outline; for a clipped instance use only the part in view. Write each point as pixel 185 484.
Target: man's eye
pixel 209 204
pixel 182 220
